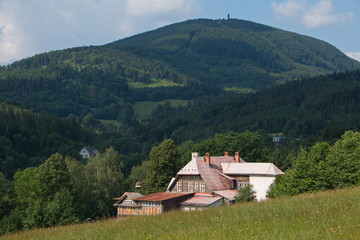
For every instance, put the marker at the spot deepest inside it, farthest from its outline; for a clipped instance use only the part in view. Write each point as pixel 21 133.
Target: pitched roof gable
pixel 253 168
pixel 190 169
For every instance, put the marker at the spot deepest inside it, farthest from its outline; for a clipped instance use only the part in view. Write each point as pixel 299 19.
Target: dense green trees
pixel 162 166
pixel 62 191
pixel 321 167
pixel 248 144
pixel 104 174
pixel 44 194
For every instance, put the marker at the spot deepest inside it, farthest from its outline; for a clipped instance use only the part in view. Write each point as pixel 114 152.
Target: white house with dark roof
pixel 88 152
pixel 224 176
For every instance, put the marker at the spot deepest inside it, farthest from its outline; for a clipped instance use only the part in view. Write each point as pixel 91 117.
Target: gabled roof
pixel 190 169
pixel 161 196
pixel 201 200
pixel 90 150
pixel 253 168
pixel 127 196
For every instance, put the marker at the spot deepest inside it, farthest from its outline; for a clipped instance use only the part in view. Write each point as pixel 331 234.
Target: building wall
pixel 185 180
pixel 123 211
pixel 261 185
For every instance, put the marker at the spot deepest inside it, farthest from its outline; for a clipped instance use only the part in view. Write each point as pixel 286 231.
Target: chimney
pixel 237 157
pixel 194 155
pixel 207 158
pixel 226 154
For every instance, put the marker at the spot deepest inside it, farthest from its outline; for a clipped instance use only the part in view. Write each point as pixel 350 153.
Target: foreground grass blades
pixel 331 214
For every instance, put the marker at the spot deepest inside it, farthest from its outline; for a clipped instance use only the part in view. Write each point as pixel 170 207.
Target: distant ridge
pixel 239 53
pixel 184 60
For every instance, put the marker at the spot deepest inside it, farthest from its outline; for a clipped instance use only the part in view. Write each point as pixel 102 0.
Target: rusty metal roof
pixel 211 173
pixel 201 200
pixel 161 196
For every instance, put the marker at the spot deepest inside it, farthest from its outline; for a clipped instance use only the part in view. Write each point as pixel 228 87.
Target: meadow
pixel 144 108
pixel 333 214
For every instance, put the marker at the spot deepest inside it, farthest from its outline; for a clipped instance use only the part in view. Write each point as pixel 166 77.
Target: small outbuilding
pixel 200 201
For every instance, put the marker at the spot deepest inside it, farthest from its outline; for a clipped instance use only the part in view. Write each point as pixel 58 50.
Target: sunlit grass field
pixel 146 107
pixel 326 215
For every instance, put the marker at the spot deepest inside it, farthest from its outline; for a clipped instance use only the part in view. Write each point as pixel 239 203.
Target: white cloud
pixel 290 8
pixel 354 55
pixel 33 26
pixel 316 15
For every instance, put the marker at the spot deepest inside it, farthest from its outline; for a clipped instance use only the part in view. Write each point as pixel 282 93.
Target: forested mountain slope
pixel 322 107
pixel 186 60
pixel 238 53
pixel 27 138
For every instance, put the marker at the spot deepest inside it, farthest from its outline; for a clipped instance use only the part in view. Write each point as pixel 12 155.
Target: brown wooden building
pixel 149 204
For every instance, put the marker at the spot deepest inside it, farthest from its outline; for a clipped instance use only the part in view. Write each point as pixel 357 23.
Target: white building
pixel 224 176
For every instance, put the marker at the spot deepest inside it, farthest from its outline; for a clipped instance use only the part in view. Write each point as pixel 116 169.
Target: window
pixel 190 186
pixel 232 184
pixel 202 187
pixel 196 186
pixel 179 186
pixel 242 185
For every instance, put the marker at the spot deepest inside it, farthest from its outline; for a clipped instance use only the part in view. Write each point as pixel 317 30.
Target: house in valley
pixel 223 176
pixel 88 152
pixel 205 181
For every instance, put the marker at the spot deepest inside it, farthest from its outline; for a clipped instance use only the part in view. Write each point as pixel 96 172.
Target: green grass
pixel 238 90
pixel 155 83
pixel 325 215
pixel 146 107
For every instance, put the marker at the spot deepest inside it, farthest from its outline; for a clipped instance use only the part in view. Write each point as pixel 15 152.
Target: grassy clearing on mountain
pixel 154 84
pixel 331 214
pixel 145 108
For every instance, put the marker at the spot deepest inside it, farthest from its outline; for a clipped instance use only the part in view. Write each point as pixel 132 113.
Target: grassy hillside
pixel 326 215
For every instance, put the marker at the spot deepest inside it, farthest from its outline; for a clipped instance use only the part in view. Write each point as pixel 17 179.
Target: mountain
pixel 238 53
pixel 187 60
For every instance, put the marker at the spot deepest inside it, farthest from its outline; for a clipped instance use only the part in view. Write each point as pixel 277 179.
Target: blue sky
pixel 28 27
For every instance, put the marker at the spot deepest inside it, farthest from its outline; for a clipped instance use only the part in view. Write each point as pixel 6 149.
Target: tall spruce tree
pixel 162 166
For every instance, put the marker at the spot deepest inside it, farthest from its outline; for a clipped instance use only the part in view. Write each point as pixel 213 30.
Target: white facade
pixel 261 185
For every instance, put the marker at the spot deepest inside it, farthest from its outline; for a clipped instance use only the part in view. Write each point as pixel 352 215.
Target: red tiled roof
pixel 161 196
